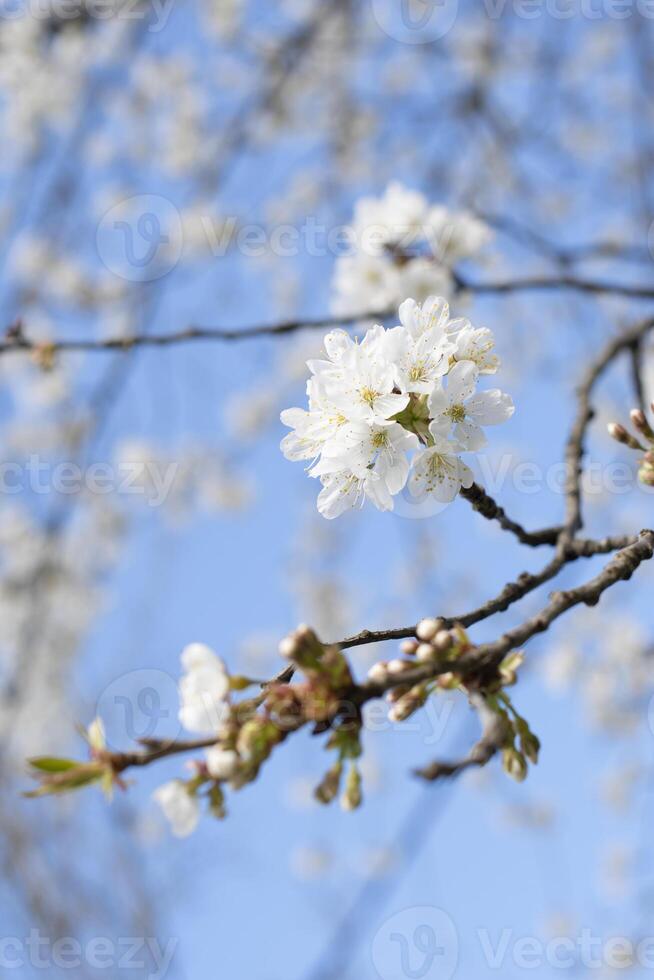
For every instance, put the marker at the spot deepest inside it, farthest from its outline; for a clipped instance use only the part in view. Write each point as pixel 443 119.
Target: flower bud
pixel 641 424
pixel 443 641
pixel 509 667
pixel 288 647
pixel 514 764
pixel 408 647
pixel 398 666
pixel 530 745
pixel 378 673
pixel 351 798
pixel 327 789
pixel 394 695
pixel 646 476
pixel 426 653
pixel 428 628
pixel 620 434
pixel 408 703
pixel 302 646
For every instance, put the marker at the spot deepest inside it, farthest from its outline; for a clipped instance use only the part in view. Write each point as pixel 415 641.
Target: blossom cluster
pixel 239 736
pixel 242 735
pixel 401 245
pixel 643 443
pixel 204 691
pixel 408 389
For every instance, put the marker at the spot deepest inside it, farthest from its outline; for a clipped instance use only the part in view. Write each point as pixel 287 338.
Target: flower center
pixel 379 439
pixel 368 395
pixel 457 413
pixel 417 371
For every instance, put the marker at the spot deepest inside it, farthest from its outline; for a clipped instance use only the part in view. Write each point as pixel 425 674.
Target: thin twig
pixel 22 342
pixel 493 736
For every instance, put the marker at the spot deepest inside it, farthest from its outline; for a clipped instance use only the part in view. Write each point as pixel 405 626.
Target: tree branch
pixel 484 504
pixel 17 340
pixel 491 741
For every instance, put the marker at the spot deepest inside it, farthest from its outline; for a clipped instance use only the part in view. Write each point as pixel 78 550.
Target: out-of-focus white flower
pixel 396 218
pixel 203 690
pixel 96 736
pixel 402 246
pixel 455 235
pixel 365 284
pixel 221 763
pixel 180 807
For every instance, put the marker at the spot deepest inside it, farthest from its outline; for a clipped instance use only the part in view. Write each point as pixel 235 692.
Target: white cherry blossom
pixel 422 277
pixel 398 393
pixel 396 218
pixel 363 449
pixel 402 246
pixel 342 491
pixel 420 348
pixel 474 344
pixel 312 429
pixel 221 763
pixel 365 392
pixel 457 408
pixel 439 472
pixel 365 284
pixel 181 808
pixel 203 690
pixel 456 235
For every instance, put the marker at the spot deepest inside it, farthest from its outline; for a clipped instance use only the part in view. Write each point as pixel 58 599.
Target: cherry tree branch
pixel 491 741
pixel 475 667
pixel 484 504
pixel 17 340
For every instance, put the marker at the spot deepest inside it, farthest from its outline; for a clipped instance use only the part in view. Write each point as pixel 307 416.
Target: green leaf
pixel 52 764
pixel 75 781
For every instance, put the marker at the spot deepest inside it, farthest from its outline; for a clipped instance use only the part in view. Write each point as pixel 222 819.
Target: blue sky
pixel 477 861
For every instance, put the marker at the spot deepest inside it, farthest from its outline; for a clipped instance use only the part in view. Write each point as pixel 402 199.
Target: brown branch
pixel 474 668
pixel 17 340
pixel 575 445
pixel 548 283
pixel 510 594
pixel 492 739
pixel 482 662
pixel 636 358
pixel 484 504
